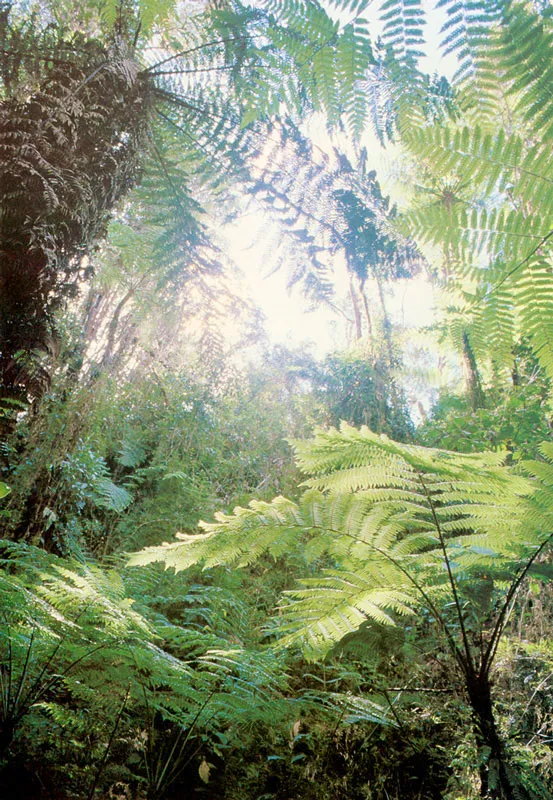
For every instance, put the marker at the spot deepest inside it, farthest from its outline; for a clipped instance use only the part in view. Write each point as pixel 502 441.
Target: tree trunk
pixel 474 386
pixel 107 358
pixel 68 151
pixel 386 322
pixel 499 779
pixel 7 732
pixel 356 311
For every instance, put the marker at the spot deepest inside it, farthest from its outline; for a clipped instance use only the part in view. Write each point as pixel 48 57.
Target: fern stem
pixel 469 665
pixel 194 71
pixel 189 136
pixel 7 690
pixel 32 696
pixel 102 764
pixel 23 676
pixel 173 98
pixel 512 271
pixel 489 655
pixel 195 50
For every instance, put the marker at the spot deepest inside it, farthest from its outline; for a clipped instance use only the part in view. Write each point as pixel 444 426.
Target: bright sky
pixel 287 319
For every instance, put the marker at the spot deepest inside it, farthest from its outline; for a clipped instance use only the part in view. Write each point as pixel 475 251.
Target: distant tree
pixel 332 206
pixel 360 389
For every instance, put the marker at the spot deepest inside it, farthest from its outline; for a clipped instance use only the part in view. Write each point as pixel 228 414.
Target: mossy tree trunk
pixel 68 152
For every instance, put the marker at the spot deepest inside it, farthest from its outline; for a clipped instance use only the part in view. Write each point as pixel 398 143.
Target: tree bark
pixel 499 779
pixel 356 311
pixel 474 386
pixel 386 322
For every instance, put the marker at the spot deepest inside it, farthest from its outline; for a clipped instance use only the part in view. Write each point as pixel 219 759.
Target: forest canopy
pixel 232 567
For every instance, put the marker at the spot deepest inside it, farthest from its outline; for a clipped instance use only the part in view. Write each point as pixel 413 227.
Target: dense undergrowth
pixel 139 682
pixel 236 571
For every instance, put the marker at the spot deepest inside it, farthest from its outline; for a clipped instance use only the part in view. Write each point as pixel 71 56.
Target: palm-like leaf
pixel 394 525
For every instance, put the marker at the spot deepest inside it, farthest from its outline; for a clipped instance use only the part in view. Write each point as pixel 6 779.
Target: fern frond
pixel 486 157
pixel 353 59
pixel 243 536
pixel 498 327
pixel 526 51
pixel 403 22
pixel 337 603
pixel 470 33
pixel 390 517
pixel 353 708
pixel 112 497
pixel 533 292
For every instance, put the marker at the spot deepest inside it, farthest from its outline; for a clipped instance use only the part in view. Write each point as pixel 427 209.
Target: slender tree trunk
pixel 386 322
pixel 356 310
pixel 474 386
pixel 7 732
pixel 367 314
pixel 107 358
pixel 499 779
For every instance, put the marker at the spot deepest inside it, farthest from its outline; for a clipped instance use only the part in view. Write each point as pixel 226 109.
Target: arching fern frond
pixel 526 52
pixel 336 603
pixel 401 525
pixel 533 292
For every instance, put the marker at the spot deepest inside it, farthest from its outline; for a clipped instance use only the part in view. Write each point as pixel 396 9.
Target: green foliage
pixel 200 449
pixel 330 62
pixel 469 34
pixel 63 488
pixel 403 28
pixel 378 509
pixel 75 642
pixel 129 462
pixel 396 569
pixel 487 199
pixel 391 533
pixel 64 621
pixel 515 417
pixel 149 82
pixel 354 388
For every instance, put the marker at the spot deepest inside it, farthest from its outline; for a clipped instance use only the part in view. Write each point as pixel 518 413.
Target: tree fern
pixel 399 496
pixel 488 197
pixel 391 529
pixel 487 225
pixel 492 162
pixel 77 140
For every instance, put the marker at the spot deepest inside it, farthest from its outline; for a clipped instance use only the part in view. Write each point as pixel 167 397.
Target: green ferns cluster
pixel 485 194
pixel 395 536
pixel 384 518
pixel 93 659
